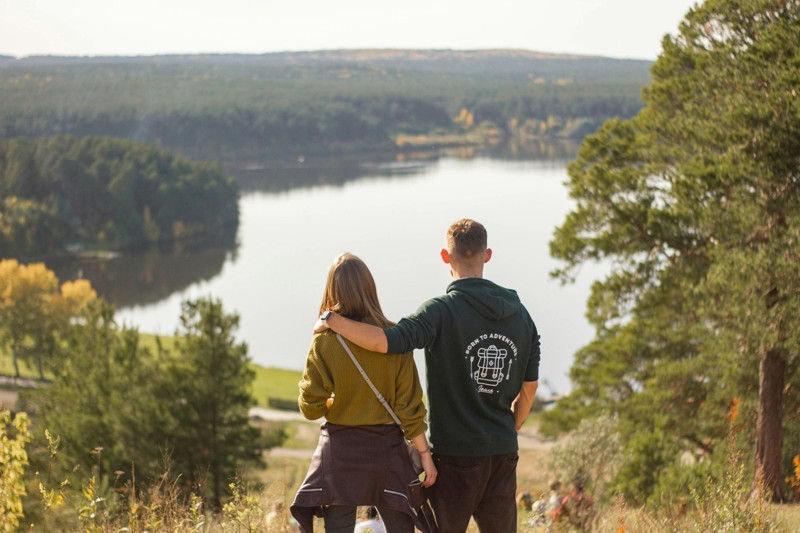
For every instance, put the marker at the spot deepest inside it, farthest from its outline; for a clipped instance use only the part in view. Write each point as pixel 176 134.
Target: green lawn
pixel 268 383
pixel 7 367
pixel 275 383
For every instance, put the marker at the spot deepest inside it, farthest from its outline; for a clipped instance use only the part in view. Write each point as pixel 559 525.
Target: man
pixel 482 364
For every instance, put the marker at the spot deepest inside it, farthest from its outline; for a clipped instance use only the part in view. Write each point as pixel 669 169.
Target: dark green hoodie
pixel 480 345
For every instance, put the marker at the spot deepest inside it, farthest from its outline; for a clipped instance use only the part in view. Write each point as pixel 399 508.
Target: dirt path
pixel 529 437
pixel 274 414
pixel 8 399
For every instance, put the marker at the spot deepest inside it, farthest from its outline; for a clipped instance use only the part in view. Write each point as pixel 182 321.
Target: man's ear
pixel 445 256
pixel 488 255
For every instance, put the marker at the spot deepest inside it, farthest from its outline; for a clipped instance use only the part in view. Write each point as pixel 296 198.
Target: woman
pixel 361 458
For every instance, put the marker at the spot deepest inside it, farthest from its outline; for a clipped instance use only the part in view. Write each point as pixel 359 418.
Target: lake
pixel 297 215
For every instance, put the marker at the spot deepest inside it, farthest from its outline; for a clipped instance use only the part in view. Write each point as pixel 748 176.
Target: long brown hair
pixel 350 291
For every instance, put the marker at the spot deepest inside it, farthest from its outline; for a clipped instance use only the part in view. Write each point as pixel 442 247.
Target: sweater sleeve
pixel 408 404
pixel 316 385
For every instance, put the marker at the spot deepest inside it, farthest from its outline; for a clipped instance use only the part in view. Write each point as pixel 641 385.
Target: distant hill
pixel 500 61
pixel 209 105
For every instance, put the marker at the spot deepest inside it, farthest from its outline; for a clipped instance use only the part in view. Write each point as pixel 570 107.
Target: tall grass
pixel 87 503
pixel 83 503
pixel 726 503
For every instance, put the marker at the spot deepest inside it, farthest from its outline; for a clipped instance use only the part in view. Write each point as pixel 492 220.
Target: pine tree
pixel 208 397
pixel 696 202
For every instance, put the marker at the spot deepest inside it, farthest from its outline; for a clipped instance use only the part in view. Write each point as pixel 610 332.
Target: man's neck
pixel 466 274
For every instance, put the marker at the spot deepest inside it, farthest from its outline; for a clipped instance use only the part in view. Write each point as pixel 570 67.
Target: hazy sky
pixel 616 28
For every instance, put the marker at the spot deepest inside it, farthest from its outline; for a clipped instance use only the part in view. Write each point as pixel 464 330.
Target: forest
pixel 69 192
pixel 115 409
pixel 218 107
pixel 213 107
pixel 684 413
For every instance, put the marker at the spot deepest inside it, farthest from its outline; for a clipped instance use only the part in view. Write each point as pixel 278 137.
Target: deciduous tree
pixel 35 313
pixel 103 399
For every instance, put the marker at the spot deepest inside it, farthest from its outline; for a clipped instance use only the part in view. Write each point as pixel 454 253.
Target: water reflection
pixel 301 171
pixel 136 279
pixel 280 175
pixel 147 277
pixel 557 152
pixel 392 213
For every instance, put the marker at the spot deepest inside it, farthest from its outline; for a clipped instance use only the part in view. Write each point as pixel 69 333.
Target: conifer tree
pixel 696 203
pixel 208 397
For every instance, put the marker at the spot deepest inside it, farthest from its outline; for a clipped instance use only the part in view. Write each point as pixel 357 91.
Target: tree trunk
pixel 14 359
pixel 217 488
pixel 769 425
pixel 40 364
pixel 215 463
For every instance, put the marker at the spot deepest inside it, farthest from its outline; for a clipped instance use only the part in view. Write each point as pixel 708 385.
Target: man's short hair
pixel 466 238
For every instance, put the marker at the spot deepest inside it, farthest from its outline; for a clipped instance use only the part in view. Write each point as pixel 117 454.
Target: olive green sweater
pixel 330 370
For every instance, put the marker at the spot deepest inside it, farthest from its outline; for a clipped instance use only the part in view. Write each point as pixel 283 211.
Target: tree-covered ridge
pixel 509 62
pixel 107 192
pixel 208 106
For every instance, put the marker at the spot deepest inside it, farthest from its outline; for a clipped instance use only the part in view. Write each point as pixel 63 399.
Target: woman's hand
pixel 429 468
pixel 424 449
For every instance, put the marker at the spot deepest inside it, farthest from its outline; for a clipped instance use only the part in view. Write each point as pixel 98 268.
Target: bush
pixel 590 453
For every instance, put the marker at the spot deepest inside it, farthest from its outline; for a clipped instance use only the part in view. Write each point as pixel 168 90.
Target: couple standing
pixel 482 364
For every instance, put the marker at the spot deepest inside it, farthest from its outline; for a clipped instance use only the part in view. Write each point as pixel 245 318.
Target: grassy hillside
pixel 275 383
pixel 7 367
pixel 268 383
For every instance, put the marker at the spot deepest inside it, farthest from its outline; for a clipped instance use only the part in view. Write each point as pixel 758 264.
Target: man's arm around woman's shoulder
pixel 367 336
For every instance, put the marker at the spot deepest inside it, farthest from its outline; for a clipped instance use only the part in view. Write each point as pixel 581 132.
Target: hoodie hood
pixel 487 298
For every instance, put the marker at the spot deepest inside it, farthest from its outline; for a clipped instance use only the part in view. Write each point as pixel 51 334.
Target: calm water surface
pixel 393 217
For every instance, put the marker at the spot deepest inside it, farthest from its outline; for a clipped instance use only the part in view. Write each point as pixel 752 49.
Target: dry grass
pixel 787 517
pixel 532 472
pixel 283 477
pixel 287 467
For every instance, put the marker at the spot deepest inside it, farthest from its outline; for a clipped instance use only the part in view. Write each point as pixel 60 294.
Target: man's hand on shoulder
pixel 322 322
pixel 365 335
pixel 320 326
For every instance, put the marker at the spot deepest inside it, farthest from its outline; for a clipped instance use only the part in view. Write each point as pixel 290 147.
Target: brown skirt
pixel 360 465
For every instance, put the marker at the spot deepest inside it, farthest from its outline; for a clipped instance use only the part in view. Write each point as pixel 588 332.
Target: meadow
pixel 286 468
pixel 261 502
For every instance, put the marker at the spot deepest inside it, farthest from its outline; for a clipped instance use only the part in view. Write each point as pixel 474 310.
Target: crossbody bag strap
pixel 369 382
